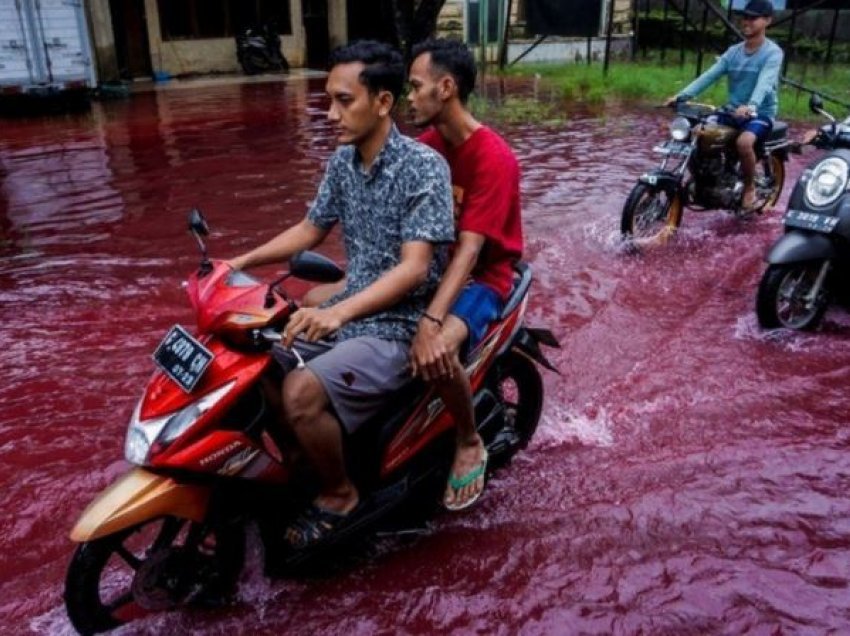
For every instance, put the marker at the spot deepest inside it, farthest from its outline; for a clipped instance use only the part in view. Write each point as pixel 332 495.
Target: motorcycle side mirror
pixel 314 268
pixel 815 103
pixel 197 223
pixel 199 228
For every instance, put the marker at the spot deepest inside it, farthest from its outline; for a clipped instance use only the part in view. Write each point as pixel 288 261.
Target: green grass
pixel 517 109
pixel 651 82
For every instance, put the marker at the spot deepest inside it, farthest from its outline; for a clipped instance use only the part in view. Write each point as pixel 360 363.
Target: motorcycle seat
pixel 520 288
pixel 779 131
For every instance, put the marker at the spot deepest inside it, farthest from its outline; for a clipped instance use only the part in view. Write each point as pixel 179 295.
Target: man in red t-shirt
pixel 485 184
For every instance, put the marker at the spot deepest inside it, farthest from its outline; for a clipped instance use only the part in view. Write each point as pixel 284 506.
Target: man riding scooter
pixel 752 69
pixel 393 200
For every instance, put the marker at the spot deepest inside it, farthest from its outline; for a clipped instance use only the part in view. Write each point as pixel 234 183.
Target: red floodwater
pixel 690 474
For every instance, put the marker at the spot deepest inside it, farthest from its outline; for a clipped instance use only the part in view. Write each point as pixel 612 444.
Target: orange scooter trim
pixel 138 496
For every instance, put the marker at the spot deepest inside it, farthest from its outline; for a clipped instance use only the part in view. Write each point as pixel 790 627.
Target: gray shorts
pixel 358 374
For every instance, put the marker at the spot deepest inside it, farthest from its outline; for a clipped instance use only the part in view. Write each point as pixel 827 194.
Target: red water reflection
pixel 689 475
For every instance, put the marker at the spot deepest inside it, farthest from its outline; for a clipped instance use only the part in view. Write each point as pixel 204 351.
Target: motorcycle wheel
pixel 650 215
pixel 142 570
pixel 781 300
pixel 516 381
pixel 770 186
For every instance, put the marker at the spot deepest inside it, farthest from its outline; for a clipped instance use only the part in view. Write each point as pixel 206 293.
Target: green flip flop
pixel 457 483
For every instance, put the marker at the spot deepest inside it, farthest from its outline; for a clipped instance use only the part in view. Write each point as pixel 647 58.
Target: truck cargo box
pixel 45 49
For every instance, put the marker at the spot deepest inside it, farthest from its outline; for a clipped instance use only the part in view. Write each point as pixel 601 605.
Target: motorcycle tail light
pixel 680 129
pixel 828 181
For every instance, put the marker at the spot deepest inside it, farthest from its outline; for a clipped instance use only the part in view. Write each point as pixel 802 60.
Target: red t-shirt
pixel 485 185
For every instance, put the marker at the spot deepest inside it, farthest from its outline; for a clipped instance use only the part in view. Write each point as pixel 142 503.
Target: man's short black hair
pixel 384 65
pixel 453 57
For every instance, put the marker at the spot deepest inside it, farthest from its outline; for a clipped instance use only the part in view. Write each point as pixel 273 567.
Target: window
pixel 200 19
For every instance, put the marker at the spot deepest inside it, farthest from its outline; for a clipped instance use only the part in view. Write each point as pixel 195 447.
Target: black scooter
pixel 807 264
pixel 258 50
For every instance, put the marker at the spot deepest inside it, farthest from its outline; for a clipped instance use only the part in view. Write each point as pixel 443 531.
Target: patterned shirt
pixel 404 196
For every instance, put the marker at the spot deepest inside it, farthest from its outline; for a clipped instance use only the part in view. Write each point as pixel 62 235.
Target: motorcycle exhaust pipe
pixel 138 496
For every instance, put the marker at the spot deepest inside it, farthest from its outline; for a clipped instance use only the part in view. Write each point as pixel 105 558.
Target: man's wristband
pixel 428 316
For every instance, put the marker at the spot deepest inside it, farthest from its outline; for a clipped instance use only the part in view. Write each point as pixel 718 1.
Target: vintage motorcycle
pixel 699 170
pixel 211 457
pixel 807 264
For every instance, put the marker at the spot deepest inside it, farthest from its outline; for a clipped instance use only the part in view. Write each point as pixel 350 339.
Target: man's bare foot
pixel 466 481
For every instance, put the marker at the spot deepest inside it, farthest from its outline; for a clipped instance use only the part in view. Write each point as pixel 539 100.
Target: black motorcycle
pixel 700 170
pixel 258 50
pixel 806 264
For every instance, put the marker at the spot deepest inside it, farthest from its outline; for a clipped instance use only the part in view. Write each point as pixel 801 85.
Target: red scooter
pixel 210 455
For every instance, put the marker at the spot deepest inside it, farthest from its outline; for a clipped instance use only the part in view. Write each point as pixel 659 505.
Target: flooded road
pixel 690 473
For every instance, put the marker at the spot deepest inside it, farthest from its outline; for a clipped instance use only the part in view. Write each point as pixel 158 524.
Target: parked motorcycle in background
pixel 699 170
pixel 807 264
pixel 258 50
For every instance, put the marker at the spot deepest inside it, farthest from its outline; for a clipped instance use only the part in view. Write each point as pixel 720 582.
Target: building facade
pixel 140 38
pixel 146 38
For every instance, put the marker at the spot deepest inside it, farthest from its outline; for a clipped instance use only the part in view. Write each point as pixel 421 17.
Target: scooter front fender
pixel 796 247
pixel 138 496
pixel 663 180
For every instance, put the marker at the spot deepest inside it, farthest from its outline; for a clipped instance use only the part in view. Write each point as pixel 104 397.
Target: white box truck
pixel 45 50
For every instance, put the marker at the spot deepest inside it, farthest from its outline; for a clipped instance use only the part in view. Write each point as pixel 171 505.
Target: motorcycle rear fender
pixel 138 496
pixel 528 341
pixel 661 179
pixel 796 247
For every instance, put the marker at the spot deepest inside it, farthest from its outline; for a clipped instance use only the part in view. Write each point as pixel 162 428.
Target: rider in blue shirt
pixel 752 69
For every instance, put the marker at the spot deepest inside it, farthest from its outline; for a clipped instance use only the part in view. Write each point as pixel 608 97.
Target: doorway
pixel 315 14
pixel 132 51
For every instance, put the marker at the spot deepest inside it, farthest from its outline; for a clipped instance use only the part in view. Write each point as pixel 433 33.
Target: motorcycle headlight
pixel 828 182
pixel 141 434
pixel 680 129
pixel 136 447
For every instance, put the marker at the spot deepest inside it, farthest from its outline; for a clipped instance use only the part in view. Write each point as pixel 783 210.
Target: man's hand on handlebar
pixel 743 112
pixel 236 263
pixel 314 323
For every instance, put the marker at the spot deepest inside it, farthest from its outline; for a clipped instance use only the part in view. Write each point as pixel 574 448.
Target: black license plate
pixel 811 221
pixel 182 358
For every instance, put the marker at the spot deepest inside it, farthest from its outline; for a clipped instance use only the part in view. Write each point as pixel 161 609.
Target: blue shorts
pixel 477 306
pixel 759 126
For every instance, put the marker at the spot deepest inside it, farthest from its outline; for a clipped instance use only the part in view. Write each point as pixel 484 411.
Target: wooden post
pixel 789 46
pixel 505 34
pixel 482 30
pixel 828 60
pixel 684 34
pixel 664 35
pixel 701 40
pixel 609 30
pixel 635 9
